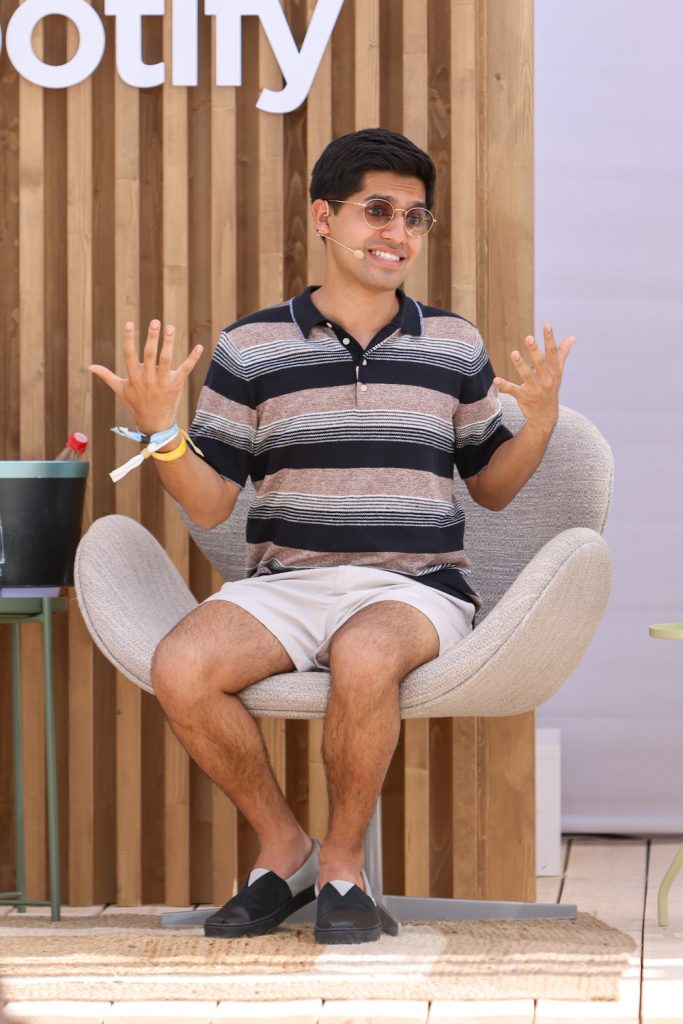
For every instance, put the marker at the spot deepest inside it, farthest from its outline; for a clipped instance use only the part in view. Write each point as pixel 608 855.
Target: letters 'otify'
pixel 298 67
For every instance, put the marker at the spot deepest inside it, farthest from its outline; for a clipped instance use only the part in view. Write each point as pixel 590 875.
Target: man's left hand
pixel 537 395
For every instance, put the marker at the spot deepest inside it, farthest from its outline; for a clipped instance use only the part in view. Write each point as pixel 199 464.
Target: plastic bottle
pixel 74 448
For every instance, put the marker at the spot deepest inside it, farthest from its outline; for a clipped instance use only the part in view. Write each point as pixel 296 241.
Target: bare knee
pixel 174 673
pixel 380 645
pixel 191 665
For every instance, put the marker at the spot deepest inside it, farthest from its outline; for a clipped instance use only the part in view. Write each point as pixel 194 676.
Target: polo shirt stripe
pixel 373 427
pixel 349 455
pixel 368 510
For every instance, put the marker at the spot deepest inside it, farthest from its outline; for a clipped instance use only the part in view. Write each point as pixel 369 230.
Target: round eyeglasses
pixel 379 212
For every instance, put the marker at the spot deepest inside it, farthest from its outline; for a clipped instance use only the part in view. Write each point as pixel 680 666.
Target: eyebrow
pixel 417 205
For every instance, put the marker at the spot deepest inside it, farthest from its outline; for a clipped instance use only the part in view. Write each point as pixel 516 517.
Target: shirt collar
pixel 307 316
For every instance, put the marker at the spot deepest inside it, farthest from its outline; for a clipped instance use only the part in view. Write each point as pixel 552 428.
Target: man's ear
pixel 320 210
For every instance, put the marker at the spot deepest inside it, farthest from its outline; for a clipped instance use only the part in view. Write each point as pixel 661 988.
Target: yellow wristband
pixel 175 453
pixel 179 450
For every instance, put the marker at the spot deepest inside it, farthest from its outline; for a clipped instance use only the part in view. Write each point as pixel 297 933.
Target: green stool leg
pixel 663 896
pixel 17 754
pixel 51 761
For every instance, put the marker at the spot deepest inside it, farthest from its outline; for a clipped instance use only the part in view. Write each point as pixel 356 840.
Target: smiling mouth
pixel 390 258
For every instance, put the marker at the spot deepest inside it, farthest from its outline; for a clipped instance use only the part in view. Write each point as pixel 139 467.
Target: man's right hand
pixel 152 389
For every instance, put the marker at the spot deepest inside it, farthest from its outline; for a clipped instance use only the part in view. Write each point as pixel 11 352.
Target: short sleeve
pixel 224 425
pixel 478 420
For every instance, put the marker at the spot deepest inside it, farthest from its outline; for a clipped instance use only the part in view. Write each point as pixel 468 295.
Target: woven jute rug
pixel 125 957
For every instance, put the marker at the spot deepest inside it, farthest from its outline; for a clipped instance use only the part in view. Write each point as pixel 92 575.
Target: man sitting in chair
pixel 349 407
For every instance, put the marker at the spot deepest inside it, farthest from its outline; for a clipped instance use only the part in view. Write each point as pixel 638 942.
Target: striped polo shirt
pixel 352 452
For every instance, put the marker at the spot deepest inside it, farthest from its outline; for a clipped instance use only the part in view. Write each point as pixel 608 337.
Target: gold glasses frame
pixel 394 210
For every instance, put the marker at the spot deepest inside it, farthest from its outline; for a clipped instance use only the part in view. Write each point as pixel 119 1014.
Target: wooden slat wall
pixel 191 205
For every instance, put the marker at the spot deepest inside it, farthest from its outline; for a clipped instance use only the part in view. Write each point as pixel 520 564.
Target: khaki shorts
pixel 304 608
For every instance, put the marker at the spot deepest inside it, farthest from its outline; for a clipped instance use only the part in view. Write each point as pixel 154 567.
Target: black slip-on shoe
pixel 264 901
pixel 346 917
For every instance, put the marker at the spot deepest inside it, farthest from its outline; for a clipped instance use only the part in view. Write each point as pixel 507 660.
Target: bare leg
pixel 369 656
pixel 215 652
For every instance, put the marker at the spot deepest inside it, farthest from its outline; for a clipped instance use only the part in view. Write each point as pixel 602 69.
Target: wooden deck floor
pixel 616 879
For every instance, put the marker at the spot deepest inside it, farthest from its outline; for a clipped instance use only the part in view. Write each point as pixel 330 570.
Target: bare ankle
pixel 285 855
pixel 339 864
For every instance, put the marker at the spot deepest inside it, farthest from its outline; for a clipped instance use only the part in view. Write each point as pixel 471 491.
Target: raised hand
pixel 152 388
pixel 537 395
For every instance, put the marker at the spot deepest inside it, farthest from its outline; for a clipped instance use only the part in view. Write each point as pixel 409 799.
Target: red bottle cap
pixel 78 442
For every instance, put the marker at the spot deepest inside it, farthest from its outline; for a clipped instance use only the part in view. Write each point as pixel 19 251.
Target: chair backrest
pixel 572 487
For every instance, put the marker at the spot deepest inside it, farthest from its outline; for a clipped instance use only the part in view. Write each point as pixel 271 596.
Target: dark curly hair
pixel 342 165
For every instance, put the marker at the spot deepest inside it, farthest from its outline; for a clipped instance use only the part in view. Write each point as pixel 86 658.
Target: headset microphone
pixel 358 253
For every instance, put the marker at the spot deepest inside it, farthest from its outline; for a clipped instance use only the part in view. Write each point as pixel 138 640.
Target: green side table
pixel 667 631
pixel 18 606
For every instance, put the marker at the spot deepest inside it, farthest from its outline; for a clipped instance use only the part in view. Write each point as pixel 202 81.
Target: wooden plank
pixel 507 811
pixel 273 731
pixel 344 84
pixel 176 311
pixel 102 447
pixel 158 1012
pixel 299 1011
pixel 416 114
pixel 465 814
pixel 464 158
pixel 393 822
pixel 441 126
pixel 295 212
pixel 62 1012
pixel 296 767
pixel 152 495
pixel 7 808
pixel 440 808
pixel 366 43
pixel 33 742
pixel 32 441
pixel 80 326
pixel 247 180
pixel 223 311
pixel 57 426
pixel 373 1011
pixel 270 185
pixel 509 1011
pixel 201 333
pixel 507 188
pixel 10 353
pixel 32 266
pixel 606 879
pixel 416 781
pixel 391 66
pixel 662 985
pixel 127 491
pixel 318 134
pixel 317 783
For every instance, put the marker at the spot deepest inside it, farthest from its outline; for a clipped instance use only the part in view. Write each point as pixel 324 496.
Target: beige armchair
pixel 541 566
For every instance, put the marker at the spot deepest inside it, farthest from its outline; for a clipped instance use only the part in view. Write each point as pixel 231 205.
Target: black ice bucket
pixel 41 508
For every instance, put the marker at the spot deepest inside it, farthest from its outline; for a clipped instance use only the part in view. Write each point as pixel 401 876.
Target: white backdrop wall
pixel 609 268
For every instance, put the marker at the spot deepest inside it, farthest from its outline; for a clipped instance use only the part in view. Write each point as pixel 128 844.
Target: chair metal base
pixel 394 909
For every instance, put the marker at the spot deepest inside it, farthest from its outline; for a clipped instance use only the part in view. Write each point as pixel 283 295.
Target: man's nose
pixel 395 229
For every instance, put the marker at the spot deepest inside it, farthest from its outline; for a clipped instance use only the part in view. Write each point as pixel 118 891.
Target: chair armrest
pixel 529 644
pixel 129 592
